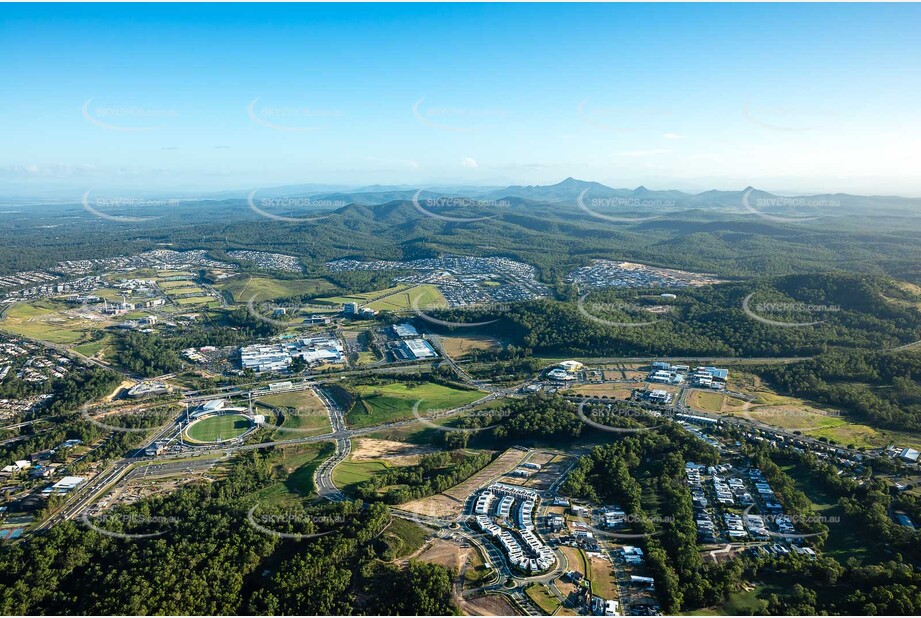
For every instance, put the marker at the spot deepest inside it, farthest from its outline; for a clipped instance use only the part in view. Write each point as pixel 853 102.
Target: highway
pixel 323 476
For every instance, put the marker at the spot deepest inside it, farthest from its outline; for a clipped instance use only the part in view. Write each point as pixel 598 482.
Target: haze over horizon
pixel 200 99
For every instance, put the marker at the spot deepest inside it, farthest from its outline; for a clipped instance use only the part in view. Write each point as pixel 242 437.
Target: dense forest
pixel 710 320
pixel 877 388
pixel 206 559
pixel 555 236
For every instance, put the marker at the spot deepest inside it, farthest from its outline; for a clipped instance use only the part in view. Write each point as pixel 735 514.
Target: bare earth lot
pixel 396 453
pixel 451 502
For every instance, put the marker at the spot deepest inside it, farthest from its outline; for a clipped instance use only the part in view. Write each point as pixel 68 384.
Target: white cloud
pixel 470 162
pixel 673 136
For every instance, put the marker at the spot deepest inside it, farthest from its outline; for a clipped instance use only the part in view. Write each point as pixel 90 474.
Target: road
pixel 323 477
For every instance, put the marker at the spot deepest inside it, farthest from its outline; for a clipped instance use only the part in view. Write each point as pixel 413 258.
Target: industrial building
pixel 278 356
pixel 405 331
pixel 414 349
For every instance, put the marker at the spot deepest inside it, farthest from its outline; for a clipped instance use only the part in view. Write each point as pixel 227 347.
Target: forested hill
pixel 556 237
pixel 813 313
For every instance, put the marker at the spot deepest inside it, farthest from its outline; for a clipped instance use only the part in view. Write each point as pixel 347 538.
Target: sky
pixel 198 98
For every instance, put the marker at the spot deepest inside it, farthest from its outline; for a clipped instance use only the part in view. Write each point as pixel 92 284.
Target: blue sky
pixel 180 98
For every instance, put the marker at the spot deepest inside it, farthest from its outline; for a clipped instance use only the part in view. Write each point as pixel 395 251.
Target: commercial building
pixel 405 331
pixel 278 356
pixel 66 484
pixel 659 396
pixel 145 388
pixel 414 349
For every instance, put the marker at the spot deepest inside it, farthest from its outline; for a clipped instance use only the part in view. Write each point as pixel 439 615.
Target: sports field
pixel 383 403
pixel 217 428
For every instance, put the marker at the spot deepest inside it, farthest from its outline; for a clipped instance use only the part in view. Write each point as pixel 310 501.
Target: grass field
pixel 364 297
pixel 299 463
pixel 428 296
pixel 350 473
pixel 743 603
pixel 93 347
pixel 171 286
pixel 540 594
pixel 198 300
pixel 604 582
pixel 265 288
pixel 403 538
pixel 306 415
pixel 186 289
pixel 846 535
pixel 706 401
pixel 396 298
pixel 216 428
pixel 792 414
pixel 394 401
pixel 47 321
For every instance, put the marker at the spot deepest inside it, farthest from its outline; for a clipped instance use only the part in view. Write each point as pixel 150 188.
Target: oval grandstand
pixel 219 426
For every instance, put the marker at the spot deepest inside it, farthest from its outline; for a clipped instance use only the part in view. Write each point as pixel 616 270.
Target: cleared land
pixel 611 390
pixel 396 298
pixel 541 595
pixel 793 414
pixel 217 428
pixel 457 347
pixel 428 296
pixel 395 453
pixel 266 288
pixel 604 582
pixel 451 502
pixel 48 321
pixel 491 605
pixel 384 403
